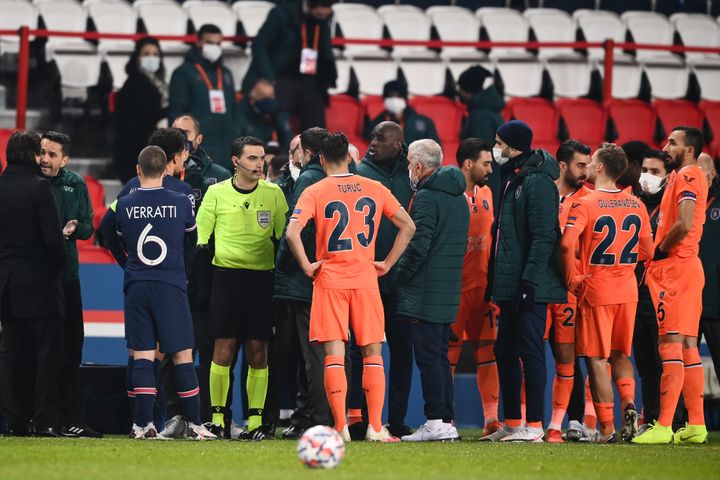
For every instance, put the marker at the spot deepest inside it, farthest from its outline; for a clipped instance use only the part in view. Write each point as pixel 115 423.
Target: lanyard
pixel 207 80
pixel 652 214
pixel 316 37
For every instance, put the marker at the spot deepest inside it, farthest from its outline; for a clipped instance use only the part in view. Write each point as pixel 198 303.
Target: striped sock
pixel 129 385
pixel 145 391
pixel 373 382
pixel 694 386
pixel 336 388
pixel 257 384
pixel 188 391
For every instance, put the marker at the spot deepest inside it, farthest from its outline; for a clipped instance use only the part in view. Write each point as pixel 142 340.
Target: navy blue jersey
pixel 171 183
pixel 153 223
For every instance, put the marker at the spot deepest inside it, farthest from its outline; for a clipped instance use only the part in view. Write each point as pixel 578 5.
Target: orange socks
pixel 488 382
pixel 562 389
pixel 336 388
pixel 626 388
pixel 373 383
pixel 604 413
pixel 671 382
pixel 590 418
pixel 694 386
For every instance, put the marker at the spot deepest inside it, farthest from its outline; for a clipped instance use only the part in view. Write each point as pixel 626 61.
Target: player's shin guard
pixel 373 383
pixel 219 386
pixel 336 388
pixel 671 381
pixel 257 383
pixel 188 391
pixel 693 386
pixel 144 387
pixel 604 413
pixel 129 385
pixel 562 389
pixel 488 382
pixel 626 389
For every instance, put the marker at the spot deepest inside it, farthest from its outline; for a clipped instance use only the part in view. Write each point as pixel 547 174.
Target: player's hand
pixel 576 282
pixel 312 270
pixel 381 268
pixel 69 228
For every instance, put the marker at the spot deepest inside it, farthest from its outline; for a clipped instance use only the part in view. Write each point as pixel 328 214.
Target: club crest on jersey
pixel 518 192
pixel 263 218
pixel 714 214
pixel 197 193
pixel 486 205
pixel 474 209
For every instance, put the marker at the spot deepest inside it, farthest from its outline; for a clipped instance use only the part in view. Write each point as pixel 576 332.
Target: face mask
pixel 650 183
pixel 265 105
pixel 294 171
pixel 413 181
pixel 497 155
pixel 211 52
pixel 395 105
pixel 150 63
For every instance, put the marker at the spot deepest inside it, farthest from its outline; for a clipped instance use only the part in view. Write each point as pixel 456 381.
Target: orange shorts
pixel 603 328
pixel 334 311
pixel 561 319
pixel 676 286
pixel 476 319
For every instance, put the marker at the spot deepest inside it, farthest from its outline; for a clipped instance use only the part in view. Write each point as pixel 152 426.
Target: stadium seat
pixel 521 78
pixel 372 105
pixel 571 78
pixel 343 80
pixel 709 79
pixel 372 74
pixel 627 79
pixel 711 114
pixel 633 120
pixel 585 120
pixel 677 112
pixel 552 25
pixel 405 22
pixel 698 30
pixel 654 28
pixel 424 77
pixel 446 113
pixel 252 14
pixel 449 149
pixel 345 114
pixel 504 25
pixel 78 71
pixel 619 6
pixel 541 115
pixel 598 26
pixel 215 12
pixel 15 15
pixel 116 17
pixel 4 138
pixel 668 81
pixel 164 19
pixel 459 25
pixel 65 16
pixel 237 62
pixel 93 254
pixel 359 21
pixel 96 191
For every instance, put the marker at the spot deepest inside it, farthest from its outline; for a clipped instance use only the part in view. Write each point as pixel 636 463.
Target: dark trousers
pixel 576 406
pixel 73 338
pixel 30 369
pixel 283 353
pixel 710 329
pixel 397 332
pixel 521 338
pixel 430 343
pixel 649 365
pixel 301 97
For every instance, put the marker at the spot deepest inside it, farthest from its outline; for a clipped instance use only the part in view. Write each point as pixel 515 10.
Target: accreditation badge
pixel 264 218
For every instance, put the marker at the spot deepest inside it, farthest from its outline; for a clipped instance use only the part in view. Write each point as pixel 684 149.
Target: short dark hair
pixel 320 3
pixel 152 161
pixel 171 140
pixel 693 138
pixel 59 138
pixel 22 148
pixel 471 148
pixel 567 150
pixel 272 149
pixel 239 144
pixel 660 155
pixel 613 159
pixel 335 148
pixel 312 139
pixel 195 121
pixel 278 162
pixel 208 28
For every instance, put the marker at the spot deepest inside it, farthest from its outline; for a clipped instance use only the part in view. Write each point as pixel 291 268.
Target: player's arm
pixel 425 214
pixel 406 227
pixel 302 214
pixel 84 227
pixel 647 244
pixel 686 212
pixel 110 237
pixel 206 217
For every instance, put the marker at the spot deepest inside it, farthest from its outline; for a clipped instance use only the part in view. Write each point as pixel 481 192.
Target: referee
pixel 247 217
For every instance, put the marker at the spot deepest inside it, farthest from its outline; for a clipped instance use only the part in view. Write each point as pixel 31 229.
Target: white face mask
pixel 497 155
pixel 395 105
pixel 650 183
pixel 413 181
pixel 294 171
pixel 211 52
pixel 150 63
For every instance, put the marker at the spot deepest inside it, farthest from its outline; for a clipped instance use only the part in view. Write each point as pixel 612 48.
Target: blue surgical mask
pixel 265 105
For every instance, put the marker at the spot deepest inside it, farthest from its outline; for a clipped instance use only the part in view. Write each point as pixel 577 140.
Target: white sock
pixel 435 424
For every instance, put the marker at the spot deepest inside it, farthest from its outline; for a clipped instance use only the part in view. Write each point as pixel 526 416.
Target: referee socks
pixel 219 386
pixel 257 383
pixel 188 391
pixel 144 388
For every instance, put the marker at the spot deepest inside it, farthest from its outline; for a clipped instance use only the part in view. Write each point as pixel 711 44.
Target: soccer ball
pixel 321 447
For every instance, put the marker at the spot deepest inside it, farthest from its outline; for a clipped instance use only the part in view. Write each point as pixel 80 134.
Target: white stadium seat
pixel 424 77
pixel 78 71
pixel 359 21
pixel 648 27
pixel 709 80
pixel 141 3
pixel 238 63
pixel 407 23
pixel 668 81
pixel 459 25
pixel 252 14
pixel 521 78
pixel 343 79
pixel 87 3
pixel 15 15
pixel 115 17
pixel 65 16
pixel 571 79
pixel 700 31
pixel 626 80
pixel 598 26
pixel 503 24
pixel 372 74
pixel 214 12
pixel 552 25
pixel 164 19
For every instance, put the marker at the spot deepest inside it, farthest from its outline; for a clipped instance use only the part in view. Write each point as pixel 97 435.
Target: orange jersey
pixel 477 252
pixel 347 210
pixel 686 184
pixel 611 223
pixel 566 204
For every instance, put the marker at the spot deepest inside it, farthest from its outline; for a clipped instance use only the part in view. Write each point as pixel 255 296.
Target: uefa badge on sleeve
pixel 714 214
pixel 263 218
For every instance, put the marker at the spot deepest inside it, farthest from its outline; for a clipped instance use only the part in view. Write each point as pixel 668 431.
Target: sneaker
pixel 643 428
pixel 691 434
pixel 136 432
pixel 576 431
pixel 216 430
pixel 148 432
pixel 630 423
pixel 358 431
pixel 235 430
pixel 176 427
pixel 269 430
pixel 398 429
pixel 293 432
pixel 382 436
pixel 525 434
pixel 345 434
pixel 491 428
pixel 426 433
pixel 655 434
pixel 198 432
pixel 77 430
pixel 554 436
pixel 256 435
pixel 598 437
pixel 451 433
pixel 505 431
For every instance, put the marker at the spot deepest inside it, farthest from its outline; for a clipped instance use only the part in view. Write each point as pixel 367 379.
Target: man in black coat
pixel 32 260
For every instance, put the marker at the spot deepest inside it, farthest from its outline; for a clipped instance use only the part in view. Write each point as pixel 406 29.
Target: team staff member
pixel 33 258
pixel 247 216
pixel 75 210
pixel 476 320
pixel 675 278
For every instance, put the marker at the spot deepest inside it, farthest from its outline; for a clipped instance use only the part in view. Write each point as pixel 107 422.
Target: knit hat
pixel 394 88
pixel 472 79
pixel 517 134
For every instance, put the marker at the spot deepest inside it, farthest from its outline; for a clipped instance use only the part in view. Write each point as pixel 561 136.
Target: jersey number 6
pixel 145 238
pixel 364 205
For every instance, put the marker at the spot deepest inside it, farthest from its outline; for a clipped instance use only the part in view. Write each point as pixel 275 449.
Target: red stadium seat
pixel 344 114
pixel 4 137
pixel 446 113
pixel 449 152
pixel 711 112
pixel 97 199
pixel 541 115
pixel 585 120
pixel 93 254
pixel 634 120
pixel 677 112
pixel 373 105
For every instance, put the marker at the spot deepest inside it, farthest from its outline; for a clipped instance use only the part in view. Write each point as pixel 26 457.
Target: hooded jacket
pixel 189 94
pixel 201 172
pixel 709 254
pixel 526 247
pixel 484 116
pixel 429 272
pixel 395 178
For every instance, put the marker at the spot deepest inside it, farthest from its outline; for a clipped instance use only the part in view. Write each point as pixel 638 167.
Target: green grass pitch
pixel 121 458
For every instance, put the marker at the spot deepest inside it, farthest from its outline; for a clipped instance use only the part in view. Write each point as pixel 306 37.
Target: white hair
pixel 426 152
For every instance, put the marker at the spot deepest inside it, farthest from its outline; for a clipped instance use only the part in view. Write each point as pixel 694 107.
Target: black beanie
pixel 472 79
pixel 395 87
pixel 517 134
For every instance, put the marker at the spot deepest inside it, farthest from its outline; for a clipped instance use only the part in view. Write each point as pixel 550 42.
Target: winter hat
pixel 517 134
pixel 472 79
pixel 394 88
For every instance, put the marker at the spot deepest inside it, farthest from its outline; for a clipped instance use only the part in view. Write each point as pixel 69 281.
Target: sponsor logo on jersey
pixel 263 218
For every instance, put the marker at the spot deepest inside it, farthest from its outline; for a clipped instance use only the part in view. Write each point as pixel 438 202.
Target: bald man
pixel 386 161
pixel 710 258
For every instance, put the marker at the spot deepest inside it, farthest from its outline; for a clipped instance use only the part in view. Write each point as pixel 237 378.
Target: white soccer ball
pixel 321 447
